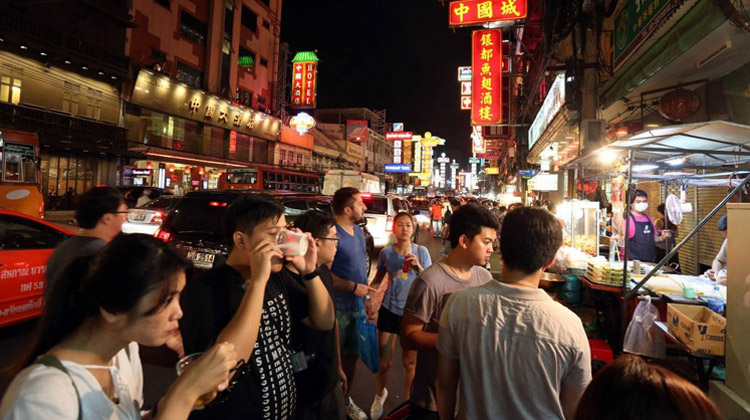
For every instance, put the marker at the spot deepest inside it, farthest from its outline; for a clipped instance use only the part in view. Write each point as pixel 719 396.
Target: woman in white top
pixel 96 316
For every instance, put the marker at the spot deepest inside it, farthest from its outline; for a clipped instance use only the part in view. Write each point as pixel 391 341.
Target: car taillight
pixel 389 224
pixel 158 217
pixel 163 235
pixel 217 204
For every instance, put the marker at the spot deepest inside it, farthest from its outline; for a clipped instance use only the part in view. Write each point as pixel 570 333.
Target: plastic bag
pixel 643 337
pixel 367 338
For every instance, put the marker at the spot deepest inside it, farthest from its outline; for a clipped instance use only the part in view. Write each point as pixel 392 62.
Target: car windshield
pixel 200 214
pixel 378 205
pixel 160 203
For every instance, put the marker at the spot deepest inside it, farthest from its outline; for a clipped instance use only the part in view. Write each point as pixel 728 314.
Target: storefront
pixel 190 137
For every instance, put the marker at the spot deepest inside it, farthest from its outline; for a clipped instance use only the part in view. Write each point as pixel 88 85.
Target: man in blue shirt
pixel 349 272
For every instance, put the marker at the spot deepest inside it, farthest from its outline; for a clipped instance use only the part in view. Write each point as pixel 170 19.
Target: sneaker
pixel 353 412
pixel 376 409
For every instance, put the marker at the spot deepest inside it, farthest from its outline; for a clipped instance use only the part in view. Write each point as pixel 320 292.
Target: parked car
pixel 149 217
pixel 195 227
pixel 131 193
pixel 26 243
pixel 379 214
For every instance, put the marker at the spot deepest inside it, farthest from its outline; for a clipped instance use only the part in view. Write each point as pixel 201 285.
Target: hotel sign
pixel 163 94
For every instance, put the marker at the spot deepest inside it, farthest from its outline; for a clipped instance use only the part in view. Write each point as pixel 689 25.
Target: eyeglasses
pixel 328 239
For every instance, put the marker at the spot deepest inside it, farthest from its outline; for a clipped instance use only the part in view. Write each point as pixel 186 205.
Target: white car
pixel 149 217
pixel 380 212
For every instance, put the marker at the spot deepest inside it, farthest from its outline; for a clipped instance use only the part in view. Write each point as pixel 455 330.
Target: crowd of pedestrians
pixel 277 336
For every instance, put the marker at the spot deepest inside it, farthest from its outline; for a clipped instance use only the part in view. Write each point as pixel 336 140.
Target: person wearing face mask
pixel 642 234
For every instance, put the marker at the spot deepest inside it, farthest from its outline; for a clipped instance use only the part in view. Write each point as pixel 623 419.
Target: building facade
pixel 60 80
pixel 203 97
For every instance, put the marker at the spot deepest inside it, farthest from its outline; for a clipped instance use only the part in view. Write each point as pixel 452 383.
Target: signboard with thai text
pixel 398 135
pixel 487 92
pixel 466 103
pixel 543 182
pixel 398 168
pixel 638 20
pixel 477 12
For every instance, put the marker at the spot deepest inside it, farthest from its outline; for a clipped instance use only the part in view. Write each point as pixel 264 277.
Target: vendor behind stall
pixel 720 261
pixel 643 235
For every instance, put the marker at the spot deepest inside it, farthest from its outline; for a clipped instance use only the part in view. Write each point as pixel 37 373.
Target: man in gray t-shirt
pixel 473 229
pixel 517 353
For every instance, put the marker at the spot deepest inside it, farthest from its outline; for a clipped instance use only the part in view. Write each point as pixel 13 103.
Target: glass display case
pixel 581 219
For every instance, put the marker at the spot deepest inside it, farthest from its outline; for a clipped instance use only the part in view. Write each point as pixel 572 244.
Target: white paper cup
pixel 291 243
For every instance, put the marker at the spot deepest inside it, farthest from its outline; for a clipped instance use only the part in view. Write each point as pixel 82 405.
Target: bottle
pixel 405 269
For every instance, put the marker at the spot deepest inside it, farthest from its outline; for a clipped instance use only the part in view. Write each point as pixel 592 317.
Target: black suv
pixel 196 230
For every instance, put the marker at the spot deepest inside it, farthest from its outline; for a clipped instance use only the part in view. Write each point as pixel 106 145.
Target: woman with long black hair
pixel 85 363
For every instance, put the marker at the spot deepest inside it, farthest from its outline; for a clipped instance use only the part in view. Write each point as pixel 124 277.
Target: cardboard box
pixel 702 330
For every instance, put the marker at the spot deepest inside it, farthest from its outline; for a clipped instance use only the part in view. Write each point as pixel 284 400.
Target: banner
pixel 487 91
pixel 356 130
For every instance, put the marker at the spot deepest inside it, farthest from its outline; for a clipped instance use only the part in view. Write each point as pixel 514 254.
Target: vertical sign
pixel 486 74
pixel 478 12
pixel 304 75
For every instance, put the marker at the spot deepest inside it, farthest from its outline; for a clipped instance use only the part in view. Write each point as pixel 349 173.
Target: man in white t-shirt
pixel 518 354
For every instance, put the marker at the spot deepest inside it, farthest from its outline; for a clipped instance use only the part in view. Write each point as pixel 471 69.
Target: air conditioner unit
pixel 592 133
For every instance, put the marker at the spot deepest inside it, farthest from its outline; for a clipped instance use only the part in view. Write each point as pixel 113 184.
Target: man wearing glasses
pixel 316 383
pixel 100 214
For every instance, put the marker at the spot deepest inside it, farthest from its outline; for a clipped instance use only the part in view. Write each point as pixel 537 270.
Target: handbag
pixel 367 338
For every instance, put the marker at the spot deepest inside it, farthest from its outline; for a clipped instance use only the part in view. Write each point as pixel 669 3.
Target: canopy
pixel 696 145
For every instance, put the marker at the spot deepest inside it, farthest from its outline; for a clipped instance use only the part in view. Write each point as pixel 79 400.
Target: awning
pixel 698 145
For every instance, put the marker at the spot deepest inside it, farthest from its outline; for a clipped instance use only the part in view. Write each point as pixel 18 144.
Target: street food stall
pixel 704 154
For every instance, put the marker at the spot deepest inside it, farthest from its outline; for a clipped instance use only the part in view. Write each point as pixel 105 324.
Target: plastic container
pixel 571 297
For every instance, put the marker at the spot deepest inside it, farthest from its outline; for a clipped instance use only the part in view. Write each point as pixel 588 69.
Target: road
pixel 158 363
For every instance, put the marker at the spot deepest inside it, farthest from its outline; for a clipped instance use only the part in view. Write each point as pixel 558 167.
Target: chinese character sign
pixel 487 91
pixel 474 12
pixel 303 84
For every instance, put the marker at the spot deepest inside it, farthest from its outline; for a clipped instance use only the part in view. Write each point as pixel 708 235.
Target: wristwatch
pixel 310 276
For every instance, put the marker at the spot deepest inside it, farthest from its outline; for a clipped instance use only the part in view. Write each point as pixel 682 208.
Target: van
pixel 340 178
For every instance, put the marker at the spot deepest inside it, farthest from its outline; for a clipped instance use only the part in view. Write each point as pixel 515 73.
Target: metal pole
pixel 688 237
pixel 666 216
pixel 626 247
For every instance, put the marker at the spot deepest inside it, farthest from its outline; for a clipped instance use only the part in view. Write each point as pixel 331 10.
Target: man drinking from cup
pixel 245 302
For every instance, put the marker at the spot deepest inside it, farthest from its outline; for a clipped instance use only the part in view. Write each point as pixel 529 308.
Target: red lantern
pixel 149 165
pixel 679 104
pixel 200 171
pixel 171 168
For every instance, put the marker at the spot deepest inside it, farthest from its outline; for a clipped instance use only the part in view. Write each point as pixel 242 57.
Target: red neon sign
pixel 303 84
pixel 486 75
pixel 473 12
pixel 398 135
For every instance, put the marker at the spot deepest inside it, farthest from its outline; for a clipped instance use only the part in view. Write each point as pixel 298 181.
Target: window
pixel 245 97
pixel 193 29
pixel 263 62
pixel 290 160
pixel 282 157
pixel 228 20
pixel 242 176
pixel 158 55
pixel 189 75
pixel 266 24
pixel 10 89
pixel 71 91
pixel 249 19
pixel 18 163
pixel 299 159
pixel 20 233
pixel 94 108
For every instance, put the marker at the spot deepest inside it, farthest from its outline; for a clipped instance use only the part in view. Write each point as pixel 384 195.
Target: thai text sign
pixel 303 84
pixel 398 135
pixel 475 12
pixel 398 168
pixel 486 62
pixel 635 23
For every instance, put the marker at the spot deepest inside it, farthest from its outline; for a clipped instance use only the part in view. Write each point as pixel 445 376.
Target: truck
pixel 339 178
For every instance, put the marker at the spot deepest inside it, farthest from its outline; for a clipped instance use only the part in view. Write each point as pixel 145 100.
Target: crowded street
pixel 394 210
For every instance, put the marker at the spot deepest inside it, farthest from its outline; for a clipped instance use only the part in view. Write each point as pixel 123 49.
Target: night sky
pixel 393 54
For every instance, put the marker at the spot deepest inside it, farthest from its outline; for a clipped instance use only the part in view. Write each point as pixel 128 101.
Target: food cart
pixel 705 154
